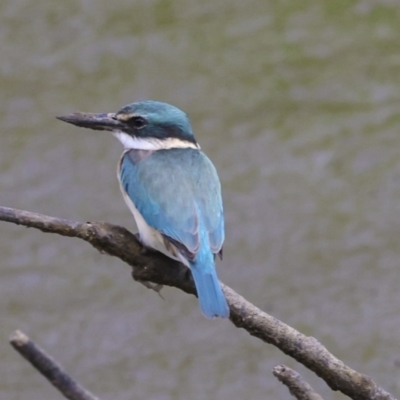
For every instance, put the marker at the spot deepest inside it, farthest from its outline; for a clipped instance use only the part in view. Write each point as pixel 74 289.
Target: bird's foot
pixel 153 286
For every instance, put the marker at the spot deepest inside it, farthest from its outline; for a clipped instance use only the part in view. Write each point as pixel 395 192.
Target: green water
pixel 297 105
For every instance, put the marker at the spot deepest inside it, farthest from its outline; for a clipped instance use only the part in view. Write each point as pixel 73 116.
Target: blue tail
pixel 211 298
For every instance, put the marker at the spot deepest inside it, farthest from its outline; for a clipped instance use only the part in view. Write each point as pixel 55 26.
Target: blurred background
pixel 297 103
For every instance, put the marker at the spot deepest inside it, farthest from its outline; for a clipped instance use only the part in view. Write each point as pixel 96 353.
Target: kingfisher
pixel 172 189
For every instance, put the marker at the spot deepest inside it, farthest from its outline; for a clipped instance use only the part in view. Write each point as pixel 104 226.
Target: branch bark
pixel 296 384
pixel 49 368
pixel 159 269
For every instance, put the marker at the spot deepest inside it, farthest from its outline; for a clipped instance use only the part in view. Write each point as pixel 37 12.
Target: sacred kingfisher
pixel 172 189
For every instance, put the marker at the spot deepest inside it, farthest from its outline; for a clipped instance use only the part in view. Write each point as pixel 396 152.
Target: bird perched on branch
pixel 172 189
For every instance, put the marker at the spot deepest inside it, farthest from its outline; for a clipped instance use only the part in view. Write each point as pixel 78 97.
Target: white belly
pixel 148 235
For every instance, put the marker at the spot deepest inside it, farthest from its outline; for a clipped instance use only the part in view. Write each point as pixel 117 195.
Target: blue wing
pixel 177 191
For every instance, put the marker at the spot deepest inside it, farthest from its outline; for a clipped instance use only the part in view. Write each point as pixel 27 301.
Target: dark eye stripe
pixel 137 122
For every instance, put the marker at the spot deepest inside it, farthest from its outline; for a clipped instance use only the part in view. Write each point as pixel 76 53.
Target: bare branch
pixel 296 384
pixel 49 368
pixel 157 268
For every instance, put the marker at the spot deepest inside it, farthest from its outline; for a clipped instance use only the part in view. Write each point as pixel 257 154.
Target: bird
pixel 172 189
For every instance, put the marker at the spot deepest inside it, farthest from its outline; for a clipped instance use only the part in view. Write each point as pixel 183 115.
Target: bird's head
pixel 146 125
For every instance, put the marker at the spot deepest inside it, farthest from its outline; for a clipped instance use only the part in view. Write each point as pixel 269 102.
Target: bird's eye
pixel 138 122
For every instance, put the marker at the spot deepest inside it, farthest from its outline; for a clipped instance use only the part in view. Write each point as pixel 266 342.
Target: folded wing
pixel 176 191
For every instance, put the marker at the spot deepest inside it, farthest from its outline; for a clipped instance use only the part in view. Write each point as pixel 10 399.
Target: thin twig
pixel 159 269
pixel 49 368
pixel 296 384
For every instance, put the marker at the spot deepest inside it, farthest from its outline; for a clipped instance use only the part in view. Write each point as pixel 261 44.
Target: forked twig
pixel 156 268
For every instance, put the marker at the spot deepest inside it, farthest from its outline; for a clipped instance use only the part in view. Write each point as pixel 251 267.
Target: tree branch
pixel 296 384
pixel 49 368
pixel 157 268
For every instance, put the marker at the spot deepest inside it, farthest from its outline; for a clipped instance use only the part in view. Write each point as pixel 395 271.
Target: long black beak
pixel 99 122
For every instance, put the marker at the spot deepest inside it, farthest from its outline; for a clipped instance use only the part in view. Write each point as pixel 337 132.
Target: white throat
pixel 130 142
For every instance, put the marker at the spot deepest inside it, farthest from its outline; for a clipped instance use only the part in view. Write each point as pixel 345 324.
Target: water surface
pixel 297 105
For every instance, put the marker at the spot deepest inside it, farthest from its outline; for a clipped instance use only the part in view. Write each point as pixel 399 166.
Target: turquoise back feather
pixel 177 192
